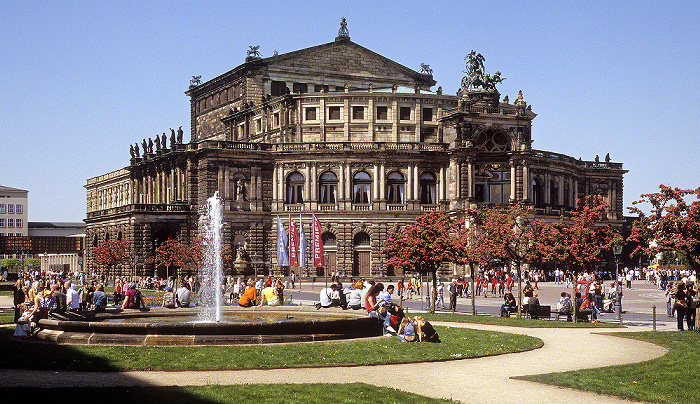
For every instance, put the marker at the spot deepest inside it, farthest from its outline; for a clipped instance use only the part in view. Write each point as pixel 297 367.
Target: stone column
pixel 416 183
pixel 526 182
pixel 441 184
pixel 307 194
pixel 382 181
pixel 575 194
pixel 470 180
pixel 275 195
pixel 375 183
pixel 513 184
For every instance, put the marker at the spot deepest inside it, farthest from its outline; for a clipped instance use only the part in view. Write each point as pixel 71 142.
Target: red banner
pixel 318 244
pixel 293 243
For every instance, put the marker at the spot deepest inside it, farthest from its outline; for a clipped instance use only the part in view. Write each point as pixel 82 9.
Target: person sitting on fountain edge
pixel 249 296
pixel 183 295
pixel 269 295
pixel 133 298
pixel 99 298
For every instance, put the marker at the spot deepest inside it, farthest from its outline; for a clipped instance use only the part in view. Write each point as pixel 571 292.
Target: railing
pixel 327 207
pixel 362 206
pixel 568 159
pixel 140 207
pixel 294 208
pixel 379 146
pixel 428 208
pixel 396 207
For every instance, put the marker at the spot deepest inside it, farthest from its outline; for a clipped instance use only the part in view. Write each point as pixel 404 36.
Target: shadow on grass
pixel 16 354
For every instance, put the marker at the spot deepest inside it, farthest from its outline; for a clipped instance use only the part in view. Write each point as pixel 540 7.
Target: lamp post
pixel 617 250
pixel 255 264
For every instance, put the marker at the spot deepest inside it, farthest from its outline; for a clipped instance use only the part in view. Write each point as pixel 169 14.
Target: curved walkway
pixel 482 380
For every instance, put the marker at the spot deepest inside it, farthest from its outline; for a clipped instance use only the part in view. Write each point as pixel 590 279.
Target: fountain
pixel 206 324
pixel 210 294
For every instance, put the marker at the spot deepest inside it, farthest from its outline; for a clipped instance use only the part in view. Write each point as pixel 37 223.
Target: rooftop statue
pixel 476 74
pixel 343 31
pixel 254 51
pixel 196 80
pixel 425 69
pixel 179 135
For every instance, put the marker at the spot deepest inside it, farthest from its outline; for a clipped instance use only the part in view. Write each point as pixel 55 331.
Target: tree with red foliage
pixel 424 245
pixel 512 235
pixel 673 224
pixel 473 246
pixel 188 257
pixel 580 240
pixel 111 253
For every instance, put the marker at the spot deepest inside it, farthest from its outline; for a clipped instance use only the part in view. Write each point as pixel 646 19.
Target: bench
pixel 534 312
pixel 537 312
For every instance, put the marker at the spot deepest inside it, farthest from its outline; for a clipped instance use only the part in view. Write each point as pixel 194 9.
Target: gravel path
pixel 482 380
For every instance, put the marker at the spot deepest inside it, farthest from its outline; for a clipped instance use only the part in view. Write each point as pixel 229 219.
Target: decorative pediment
pixel 346 58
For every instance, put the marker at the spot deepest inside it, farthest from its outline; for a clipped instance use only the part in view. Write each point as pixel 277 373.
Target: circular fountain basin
pixel 257 325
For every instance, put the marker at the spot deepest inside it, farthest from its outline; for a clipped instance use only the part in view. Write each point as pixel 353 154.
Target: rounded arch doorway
pixel 362 255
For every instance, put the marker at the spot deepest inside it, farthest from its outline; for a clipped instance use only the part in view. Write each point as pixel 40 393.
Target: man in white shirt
pixel 73 298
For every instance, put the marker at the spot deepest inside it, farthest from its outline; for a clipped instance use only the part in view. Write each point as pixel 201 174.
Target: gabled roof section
pixel 9 189
pixel 342 56
pixel 345 56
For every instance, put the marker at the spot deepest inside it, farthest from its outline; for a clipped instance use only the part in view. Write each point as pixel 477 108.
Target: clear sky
pixel 81 81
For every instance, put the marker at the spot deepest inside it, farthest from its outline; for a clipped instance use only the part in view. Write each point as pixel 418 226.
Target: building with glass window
pixel 337 130
pixel 13 211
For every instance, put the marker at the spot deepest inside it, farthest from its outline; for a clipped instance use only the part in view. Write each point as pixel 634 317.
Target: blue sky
pixel 83 80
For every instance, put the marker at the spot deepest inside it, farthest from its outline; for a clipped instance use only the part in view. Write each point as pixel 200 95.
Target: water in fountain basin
pixel 210 293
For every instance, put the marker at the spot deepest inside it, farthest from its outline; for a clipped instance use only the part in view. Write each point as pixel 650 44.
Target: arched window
pixel 295 188
pixel 553 194
pixel 361 239
pixel 327 188
pixel 360 187
pixel 427 189
pixel 537 194
pixel 395 188
pixel 328 239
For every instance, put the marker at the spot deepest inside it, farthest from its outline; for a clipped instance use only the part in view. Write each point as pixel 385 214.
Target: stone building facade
pixel 342 132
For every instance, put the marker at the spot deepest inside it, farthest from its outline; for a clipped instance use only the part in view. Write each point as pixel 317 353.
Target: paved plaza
pixel 485 380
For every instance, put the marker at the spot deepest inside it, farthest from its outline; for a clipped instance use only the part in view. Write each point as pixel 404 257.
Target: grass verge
pixel 261 393
pixel 457 343
pixel 673 378
pixel 513 322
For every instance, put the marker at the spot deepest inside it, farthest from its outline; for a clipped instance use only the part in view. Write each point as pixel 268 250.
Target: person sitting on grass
pixel 407 330
pixel 425 330
pixel 133 298
pixel 249 296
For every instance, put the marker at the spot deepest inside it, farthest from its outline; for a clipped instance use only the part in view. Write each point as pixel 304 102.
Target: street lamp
pixel 617 250
pixel 255 264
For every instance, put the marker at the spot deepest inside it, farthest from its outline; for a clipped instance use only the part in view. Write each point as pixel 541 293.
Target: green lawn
pixel 458 343
pixel 672 378
pixel 515 322
pixel 259 393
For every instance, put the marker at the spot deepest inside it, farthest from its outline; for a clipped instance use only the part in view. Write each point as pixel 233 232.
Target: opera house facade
pixel 342 132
